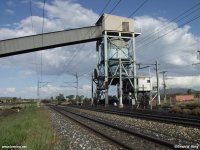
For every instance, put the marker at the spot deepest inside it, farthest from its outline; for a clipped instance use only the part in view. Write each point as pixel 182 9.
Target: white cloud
pixel 7 91
pixel 69 13
pixel 26 73
pixel 9 11
pixel 10 3
pixel 24 1
pixel 10 90
pixel 175 50
pixel 53 90
pixel 185 81
pixel 56 59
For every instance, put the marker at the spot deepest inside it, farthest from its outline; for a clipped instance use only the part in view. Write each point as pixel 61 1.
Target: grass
pixel 31 128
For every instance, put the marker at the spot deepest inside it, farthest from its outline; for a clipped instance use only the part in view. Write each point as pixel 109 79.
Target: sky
pixel 169 34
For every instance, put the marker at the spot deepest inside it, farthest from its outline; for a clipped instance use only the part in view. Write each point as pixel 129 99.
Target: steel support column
pixel 158 84
pixel 120 84
pixel 92 91
pixel 106 67
pixel 134 70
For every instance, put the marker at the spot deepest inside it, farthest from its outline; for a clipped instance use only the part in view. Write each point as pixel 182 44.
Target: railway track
pixel 119 135
pixel 191 122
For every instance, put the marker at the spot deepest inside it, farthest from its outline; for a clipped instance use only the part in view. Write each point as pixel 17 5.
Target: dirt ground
pixel 7 112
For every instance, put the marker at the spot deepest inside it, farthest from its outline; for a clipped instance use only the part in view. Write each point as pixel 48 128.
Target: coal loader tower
pixel 116 61
pixel 115 55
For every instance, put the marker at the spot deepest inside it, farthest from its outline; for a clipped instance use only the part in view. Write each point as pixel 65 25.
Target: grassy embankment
pixel 188 108
pixel 31 128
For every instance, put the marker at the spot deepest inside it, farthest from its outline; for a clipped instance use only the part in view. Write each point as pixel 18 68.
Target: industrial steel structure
pixel 115 51
pixel 116 59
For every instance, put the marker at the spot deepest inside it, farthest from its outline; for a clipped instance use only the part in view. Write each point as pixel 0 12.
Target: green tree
pixel 70 97
pixel 60 97
pixel 189 91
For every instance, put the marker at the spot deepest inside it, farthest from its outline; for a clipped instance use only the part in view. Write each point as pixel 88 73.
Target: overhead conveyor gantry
pixel 38 42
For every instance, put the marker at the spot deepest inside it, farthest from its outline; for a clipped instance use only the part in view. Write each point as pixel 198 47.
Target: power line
pixel 42 38
pixel 172 20
pixel 75 54
pixel 105 7
pixel 43 21
pixel 41 59
pixel 31 13
pixel 147 60
pixel 182 14
pixel 115 6
pixel 137 9
pixel 90 52
pixel 149 43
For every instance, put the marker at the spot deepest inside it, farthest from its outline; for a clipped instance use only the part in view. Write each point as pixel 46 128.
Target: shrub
pixel 192 105
pixel 176 109
pixel 187 111
pixel 196 111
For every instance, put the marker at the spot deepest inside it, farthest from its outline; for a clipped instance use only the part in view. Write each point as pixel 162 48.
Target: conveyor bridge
pixel 38 42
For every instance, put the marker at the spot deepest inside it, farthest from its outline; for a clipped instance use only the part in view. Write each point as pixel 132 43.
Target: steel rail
pixel 168 119
pixel 123 129
pixel 113 140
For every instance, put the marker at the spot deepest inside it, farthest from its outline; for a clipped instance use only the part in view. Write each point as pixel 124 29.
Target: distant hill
pixel 177 90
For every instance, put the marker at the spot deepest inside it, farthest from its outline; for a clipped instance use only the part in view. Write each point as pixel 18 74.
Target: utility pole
pixel 134 71
pixel 164 85
pixel 38 92
pixel 92 88
pixel 158 88
pixel 76 88
pixel 157 79
pixel 39 85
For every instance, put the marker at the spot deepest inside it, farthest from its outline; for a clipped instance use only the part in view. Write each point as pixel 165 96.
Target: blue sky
pixel 19 74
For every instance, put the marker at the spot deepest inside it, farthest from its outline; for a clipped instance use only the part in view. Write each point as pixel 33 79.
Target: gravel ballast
pixel 76 137
pixel 174 133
